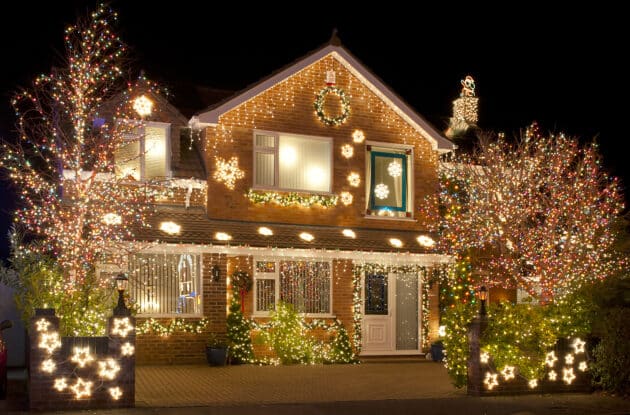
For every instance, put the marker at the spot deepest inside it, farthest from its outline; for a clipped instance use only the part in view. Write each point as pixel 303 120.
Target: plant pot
pixel 216 356
pixel 437 352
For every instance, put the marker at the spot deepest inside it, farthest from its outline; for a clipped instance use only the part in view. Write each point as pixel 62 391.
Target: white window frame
pixel 275 150
pixel 142 147
pixel 410 180
pixel 276 277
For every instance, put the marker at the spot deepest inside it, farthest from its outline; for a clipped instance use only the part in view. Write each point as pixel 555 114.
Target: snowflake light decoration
pixel 394 169
pixel 346 198
pixel 354 179
pixel 381 191
pixel 358 136
pixel 347 151
pixel 228 172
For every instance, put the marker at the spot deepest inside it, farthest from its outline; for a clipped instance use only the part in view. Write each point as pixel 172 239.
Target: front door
pixel 391 313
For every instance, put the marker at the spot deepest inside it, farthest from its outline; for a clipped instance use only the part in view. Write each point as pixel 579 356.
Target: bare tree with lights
pixel 71 197
pixel 537 213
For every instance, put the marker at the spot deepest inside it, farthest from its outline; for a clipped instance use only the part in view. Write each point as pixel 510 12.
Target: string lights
pixel 292 199
pixel 227 172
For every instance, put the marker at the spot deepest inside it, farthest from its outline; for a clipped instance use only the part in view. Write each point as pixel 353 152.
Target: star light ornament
pixel 42 324
pixel 347 151
pixel 115 393
pixel 381 191
pixel 82 388
pixel 50 341
pixel 578 345
pixel 346 198
pixel 552 375
pixel 394 169
pixel 533 383
pixel 48 366
pixel 550 359
pixel 122 327
pixel 568 375
pixel 491 380
pixel 108 369
pixel 61 384
pixel 583 366
pixel 82 356
pixel 127 349
pixel 508 372
pixel 227 172
pixel 568 359
pixel 484 357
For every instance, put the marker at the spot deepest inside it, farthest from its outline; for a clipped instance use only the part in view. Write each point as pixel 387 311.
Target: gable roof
pixel 353 65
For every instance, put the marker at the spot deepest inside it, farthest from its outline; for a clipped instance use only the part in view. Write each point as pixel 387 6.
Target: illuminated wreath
pixel 242 281
pixel 345 105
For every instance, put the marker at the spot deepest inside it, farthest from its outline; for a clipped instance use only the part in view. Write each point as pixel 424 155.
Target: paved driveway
pixel 173 386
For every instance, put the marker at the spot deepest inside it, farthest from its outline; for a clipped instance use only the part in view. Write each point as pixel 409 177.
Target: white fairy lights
pixel 346 198
pixel 170 227
pixel 347 151
pixel 381 191
pixel 394 169
pixel 354 179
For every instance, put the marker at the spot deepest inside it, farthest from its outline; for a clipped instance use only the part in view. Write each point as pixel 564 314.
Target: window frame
pixel 142 147
pixel 396 149
pixel 275 150
pixel 276 277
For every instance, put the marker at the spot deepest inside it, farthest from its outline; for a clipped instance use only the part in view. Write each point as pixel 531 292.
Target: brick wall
pixel 288 107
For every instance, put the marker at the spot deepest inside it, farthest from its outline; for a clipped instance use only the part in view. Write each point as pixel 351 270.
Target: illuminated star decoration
pixel 42 324
pixel 115 393
pixel 358 136
pixel 491 380
pixel 550 359
pixel 552 375
pixel 108 369
pixel 346 198
pixel 48 366
pixel 508 372
pixel 82 356
pixel 354 179
pixel 122 327
pixel 484 357
pixel 578 345
pixel 394 169
pixel 347 151
pixel 127 349
pixel 381 191
pixel 568 359
pixel 227 172
pixel 568 375
pixel 50 341
pixel 533 383
pixel 61 384
pixel 81 388
pixel 583 366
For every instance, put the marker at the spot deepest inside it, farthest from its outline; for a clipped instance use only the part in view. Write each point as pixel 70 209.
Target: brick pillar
pixel 475 375
pixel 121 345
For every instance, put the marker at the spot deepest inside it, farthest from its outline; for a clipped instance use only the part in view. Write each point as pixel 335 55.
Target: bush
pixel 287 336
pixel 611 368
pixel 239 334
pixel 456 320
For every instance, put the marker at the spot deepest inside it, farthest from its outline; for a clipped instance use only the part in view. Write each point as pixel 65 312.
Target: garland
pixel 290 199
pixel 319 106
pixel 241 280
pixel 152 326
pixel 356 308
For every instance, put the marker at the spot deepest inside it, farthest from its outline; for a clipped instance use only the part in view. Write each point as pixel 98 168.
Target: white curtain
pixel 304 164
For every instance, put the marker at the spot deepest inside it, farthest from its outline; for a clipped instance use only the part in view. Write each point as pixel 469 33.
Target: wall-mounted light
pixel 216 273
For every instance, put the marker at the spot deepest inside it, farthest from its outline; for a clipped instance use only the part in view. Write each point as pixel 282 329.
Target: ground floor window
pixel 305 284
pixel 165 284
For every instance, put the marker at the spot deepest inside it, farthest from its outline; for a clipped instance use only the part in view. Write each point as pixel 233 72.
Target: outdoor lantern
pixel 122 282
pixel 483 296
pixel 216 273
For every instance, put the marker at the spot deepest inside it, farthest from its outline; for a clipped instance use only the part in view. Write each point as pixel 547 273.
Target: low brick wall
pixel 81 372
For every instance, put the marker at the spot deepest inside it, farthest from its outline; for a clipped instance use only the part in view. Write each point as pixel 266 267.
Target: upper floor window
pixel 389 181
pixel 292 162
pixel 146 155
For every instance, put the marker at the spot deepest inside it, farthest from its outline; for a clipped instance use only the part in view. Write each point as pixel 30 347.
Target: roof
pixel 197 228
pixel 211 114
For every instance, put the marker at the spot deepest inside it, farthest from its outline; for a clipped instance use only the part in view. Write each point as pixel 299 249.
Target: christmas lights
pixel 170 227
pixel 567 375
pixel 122 327
pixel 395 242
pixel 127 349
pixel 48 366
pixel 116 393
pixel 358 136
pixel 227 172
pixel 82 356
pixel 349 233
pixel 82 388
pixel 143 106
pixel 319 106
pixel 568 359
pixel 174 326
pixel 381 191
pixel 306 236
pixel 578 345
pixel 347 151
pixel 265 231
pixel 491 380
pixel 583 366
pixel 550 359
pixel 50 341
pixel 291 199
pixel 354 179
pixel 425 241
pixel 532 383
pixel 394 169
pixel 346 198
pixel 222 236
pixel 508 372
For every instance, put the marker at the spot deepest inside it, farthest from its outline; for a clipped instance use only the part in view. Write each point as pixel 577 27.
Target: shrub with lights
pixel 239 334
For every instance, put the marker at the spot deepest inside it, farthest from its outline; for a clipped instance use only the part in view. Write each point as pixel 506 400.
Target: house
pixel 312 182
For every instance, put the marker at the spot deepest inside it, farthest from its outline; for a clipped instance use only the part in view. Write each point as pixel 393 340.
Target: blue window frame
pixel 388 181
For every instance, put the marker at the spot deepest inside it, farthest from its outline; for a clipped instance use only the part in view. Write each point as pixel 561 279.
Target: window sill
pixel 390 218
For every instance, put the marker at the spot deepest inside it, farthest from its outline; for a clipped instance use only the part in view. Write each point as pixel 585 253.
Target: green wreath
pixel 241 281
pixel 345 105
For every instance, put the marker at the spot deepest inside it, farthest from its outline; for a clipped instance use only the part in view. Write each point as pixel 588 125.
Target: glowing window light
pixel 306 236
pixel 122 327
pixel 425 241
pixel 395 242
pixel 568 376
pixel 170 227
pixel 358 136
pixel 484 357
pixel 394 169
pixel 288 155
pixel 42 324
pixel 61 384
pixel 346 198
pixel 583 366
pixel 48 366
pixel 112 219
pixel 82 356
pixel 381 191
pixel 81 388
pixel 108 369
pixel 533 383
pixel 491 380
pixel 508 372
pixel 349 233
pixel 578 345
pixel 568 359
pixel 354 179
pixel 552 375
pixel 550 359
pixel 347 151
pixel 222 236
pixel 115 393
pixel 127 349
pixel 50 341
pixel 263 230
pixel 143 106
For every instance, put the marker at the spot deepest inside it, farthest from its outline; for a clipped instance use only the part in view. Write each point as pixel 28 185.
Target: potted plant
pixel 437 351
pixel 216 351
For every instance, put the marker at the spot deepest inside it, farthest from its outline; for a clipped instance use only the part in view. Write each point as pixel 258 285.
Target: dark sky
pixel 562 66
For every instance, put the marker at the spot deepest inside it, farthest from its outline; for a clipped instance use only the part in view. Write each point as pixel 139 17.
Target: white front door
pixel 391 314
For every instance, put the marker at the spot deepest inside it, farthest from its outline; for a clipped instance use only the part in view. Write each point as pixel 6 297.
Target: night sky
pixel 561 67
